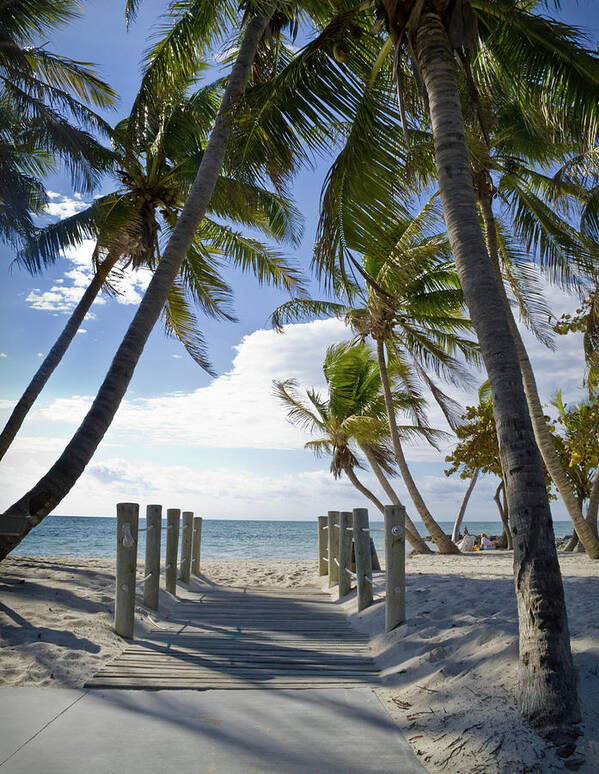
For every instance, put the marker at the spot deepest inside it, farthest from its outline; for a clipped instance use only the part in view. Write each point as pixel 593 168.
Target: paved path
pixel 231 638
pixel 62 731
pixel 217 639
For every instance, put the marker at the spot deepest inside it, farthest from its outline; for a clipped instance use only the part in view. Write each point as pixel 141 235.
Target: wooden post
pixel 153 537
pixel 127 522
pixel 363 558
pixel 395 555
pixel 323 546
pixel 345 541
pixel 196 545
pixel 333 551
pixel 172 542
pixel 186 541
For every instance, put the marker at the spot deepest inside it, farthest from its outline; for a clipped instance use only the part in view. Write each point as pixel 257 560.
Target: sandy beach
pixel 449 671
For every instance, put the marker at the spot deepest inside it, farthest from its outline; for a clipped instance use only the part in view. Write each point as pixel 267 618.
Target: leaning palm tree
pixel 44 113
pixel 412 307
pixel 130 225
pixel 352 419
pixel 432 36
pixel 414 49
pixel 61 477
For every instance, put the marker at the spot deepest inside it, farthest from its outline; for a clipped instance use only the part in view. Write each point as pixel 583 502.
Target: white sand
pixel 450 671
pixel 452 667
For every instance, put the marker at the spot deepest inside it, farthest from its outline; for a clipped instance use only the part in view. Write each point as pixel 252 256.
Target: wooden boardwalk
pixel 236 638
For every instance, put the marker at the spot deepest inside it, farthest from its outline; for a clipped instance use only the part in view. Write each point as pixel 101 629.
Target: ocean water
pixel 221 539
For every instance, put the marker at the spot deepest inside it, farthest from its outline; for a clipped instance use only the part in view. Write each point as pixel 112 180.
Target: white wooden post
pixel 127 522
pixel 153 538
pixel 186 542
pixel 345 541
pixel 363 558
pixel 172 541
pixel 395 555
pixel 333 530
pixel 196 545
pixel 323 546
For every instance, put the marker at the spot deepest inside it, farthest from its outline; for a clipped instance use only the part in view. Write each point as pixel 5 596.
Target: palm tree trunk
pixel 537 415
pixel 572 543
pixel 61 477
pixel 503 514
pixel 593 505
pixel 547 682
pixel 506 523
pixel 417 543
pixel 464 505
pixel 53 358
pixel 364 489
pixel 443 541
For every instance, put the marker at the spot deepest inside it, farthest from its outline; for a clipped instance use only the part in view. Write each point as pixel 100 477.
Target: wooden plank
pixel 231 640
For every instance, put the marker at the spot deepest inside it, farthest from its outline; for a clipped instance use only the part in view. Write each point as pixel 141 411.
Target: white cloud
pixel 3 354
pixel 177 357
pixel 67 291
pixel 238 409
pixel 64 206
pixel 82 330
pixel 40 354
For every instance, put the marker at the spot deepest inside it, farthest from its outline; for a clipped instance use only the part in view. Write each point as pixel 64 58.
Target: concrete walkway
pixel 63 731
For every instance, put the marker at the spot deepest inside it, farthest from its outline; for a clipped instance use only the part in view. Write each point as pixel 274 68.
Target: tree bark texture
pixel 443 541
pixel 547 681
pixel 541 431
pixel 460 517
pixel 418 544
pixel 54 356
pixel 61 477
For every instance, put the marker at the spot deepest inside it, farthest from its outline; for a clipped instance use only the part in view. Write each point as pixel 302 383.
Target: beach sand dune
pixel 449 671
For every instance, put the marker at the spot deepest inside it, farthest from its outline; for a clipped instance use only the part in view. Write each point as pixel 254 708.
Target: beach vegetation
pixel 130 226
pixel 48 114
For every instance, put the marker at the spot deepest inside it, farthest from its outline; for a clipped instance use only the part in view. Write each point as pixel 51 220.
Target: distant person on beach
pixel 485 543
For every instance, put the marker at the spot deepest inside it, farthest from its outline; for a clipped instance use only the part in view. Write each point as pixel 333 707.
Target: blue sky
pixel 220 447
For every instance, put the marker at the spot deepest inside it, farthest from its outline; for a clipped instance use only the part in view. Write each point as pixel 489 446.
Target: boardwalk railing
pixel 343 535
pixel 127 518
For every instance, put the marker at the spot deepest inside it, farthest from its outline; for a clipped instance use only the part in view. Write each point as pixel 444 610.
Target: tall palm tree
pixel 425 44
pixel 45 112
pixel 434 35
pixel 352 418
pixel 130 224
pixel 61 477
pixel 413 310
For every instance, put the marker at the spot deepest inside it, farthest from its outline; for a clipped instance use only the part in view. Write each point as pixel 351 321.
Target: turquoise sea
pixel 221 539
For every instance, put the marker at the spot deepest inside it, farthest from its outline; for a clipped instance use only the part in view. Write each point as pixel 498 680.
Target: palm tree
pixel 434 35
pixel 58 481
pixel 419 45
pixel 41 94
pixel 131 223
pixel 352 417
pixel 413 310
